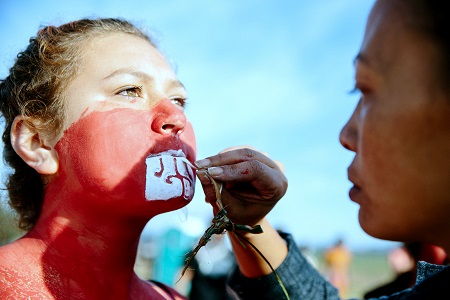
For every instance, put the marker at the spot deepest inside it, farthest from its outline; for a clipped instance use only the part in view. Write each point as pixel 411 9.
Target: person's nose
pixel 168 118
pixel 349 133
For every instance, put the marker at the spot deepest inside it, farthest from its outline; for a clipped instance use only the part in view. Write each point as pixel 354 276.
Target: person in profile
pixel 338 259
pixel 399 133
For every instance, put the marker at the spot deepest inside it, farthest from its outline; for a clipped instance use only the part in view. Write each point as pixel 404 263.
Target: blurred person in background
pixel 337 261
pixel 403 261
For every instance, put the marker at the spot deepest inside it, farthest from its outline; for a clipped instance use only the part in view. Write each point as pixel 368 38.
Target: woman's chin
pixel 157 207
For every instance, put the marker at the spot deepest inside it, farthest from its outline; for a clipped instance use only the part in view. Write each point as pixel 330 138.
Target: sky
pixel 274 75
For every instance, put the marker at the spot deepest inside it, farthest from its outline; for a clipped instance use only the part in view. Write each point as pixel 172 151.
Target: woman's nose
pixel 168 118
pixel 348 135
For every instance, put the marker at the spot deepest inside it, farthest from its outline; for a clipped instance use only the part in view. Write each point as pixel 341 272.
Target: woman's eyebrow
pixel 175 84
pixel 360 57
pixel 366 60
pixel 132 72
pixel 144 76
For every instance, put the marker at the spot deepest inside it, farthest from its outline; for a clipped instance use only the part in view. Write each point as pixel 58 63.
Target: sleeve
pixel 301 280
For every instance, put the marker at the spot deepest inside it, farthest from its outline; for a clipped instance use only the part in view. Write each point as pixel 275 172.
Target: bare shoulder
pixel 20 274
pixel 19 253
pixel 21 284
pixel 9 255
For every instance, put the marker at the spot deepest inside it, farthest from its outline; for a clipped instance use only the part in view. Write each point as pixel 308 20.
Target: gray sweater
pixel 302 281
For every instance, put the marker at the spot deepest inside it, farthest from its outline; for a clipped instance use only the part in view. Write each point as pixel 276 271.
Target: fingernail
pixel 215 171
pixel 203 163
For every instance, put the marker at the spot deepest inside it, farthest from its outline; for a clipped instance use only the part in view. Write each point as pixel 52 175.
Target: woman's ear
pixel 33 146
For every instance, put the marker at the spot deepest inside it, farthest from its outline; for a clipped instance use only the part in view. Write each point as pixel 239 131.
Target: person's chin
pixel 163 206
pixel 372 227
pixel 368 227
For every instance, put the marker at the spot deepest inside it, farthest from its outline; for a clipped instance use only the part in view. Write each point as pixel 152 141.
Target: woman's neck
pixel 83 249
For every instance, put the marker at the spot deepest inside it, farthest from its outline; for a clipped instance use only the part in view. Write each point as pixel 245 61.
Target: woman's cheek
pixel 103 148
pixel 188 138
pixel 108 154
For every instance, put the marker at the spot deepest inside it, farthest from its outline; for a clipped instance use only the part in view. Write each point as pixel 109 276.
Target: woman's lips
pixel 354 193
pixel 355 190
pixel 171 152
pixel 169 175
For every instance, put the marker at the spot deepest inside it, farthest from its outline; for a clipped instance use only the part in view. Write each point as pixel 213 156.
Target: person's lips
pixel 355 190
pixel 170 152
pixel 169 175
pixel 354 193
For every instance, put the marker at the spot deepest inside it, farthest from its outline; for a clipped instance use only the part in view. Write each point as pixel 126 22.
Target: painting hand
pixel 252 183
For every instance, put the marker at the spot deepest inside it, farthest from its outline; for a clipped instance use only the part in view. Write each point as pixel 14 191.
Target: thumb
pixel 208 187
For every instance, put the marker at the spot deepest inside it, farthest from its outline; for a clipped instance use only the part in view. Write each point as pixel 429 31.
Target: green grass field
pixel 367 271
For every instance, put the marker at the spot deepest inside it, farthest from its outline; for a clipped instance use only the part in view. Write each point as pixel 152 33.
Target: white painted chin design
pixel 169 175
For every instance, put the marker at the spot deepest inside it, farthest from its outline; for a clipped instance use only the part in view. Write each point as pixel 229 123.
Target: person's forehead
pixel 385 34
pixel 114 43
pixel 109 53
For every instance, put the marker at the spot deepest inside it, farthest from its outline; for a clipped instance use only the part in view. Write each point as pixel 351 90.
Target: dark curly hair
pixel 34 88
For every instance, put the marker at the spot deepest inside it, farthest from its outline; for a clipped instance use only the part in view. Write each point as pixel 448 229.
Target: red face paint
pixel 102 159
pixel 245 172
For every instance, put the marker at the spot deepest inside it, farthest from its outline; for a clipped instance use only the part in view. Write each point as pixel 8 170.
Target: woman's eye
pixel 362 88
pixel 354 90
pixel 181 102
pixel 131 92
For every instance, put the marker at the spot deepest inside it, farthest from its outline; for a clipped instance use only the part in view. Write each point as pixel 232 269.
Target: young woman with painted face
pixel 86 106
pixel 98 142
pixel 400 134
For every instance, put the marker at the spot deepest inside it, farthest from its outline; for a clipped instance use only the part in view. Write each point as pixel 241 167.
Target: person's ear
pixel 33 146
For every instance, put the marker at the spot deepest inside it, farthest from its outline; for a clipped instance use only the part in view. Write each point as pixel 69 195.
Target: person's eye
pixel 359 89
pixel 179 101
pixel 354 91
pixel 131 92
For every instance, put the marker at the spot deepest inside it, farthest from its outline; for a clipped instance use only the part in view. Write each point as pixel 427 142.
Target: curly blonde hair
pixel 34 88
